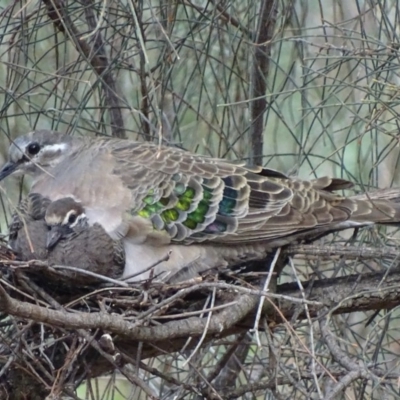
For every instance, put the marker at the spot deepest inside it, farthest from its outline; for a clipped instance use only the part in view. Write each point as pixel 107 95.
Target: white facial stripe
pixel 78 218
pixel 66 218
pixel 62 195
pixel 55 147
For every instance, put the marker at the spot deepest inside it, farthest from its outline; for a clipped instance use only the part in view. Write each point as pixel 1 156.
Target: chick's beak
pixel 8 169
pixel 53 236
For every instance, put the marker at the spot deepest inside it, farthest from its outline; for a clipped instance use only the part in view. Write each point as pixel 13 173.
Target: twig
pixel 234 365
pixel 7 365
pixel 355 370
pixel 195 313
pixel 225 359
pixel 262 299
pixel 343 384
pixel 165 258
pixel 203 335
pixel 311 330
pixel 338 354
pixel 132 378
pixel 90 273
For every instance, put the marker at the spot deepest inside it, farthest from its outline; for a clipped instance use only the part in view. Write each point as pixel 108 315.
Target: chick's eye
pixel 33 148
pixel 71 218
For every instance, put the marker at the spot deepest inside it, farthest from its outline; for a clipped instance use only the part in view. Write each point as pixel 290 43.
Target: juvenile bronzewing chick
pixel 59 233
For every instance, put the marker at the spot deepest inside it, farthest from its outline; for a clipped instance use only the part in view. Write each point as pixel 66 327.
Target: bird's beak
pixel 8 169
pixel 53 236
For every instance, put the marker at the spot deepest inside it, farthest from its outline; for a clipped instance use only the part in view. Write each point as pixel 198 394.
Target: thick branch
pixel 259 74
pixel 118 325
pixel 346 294
pixel 323 252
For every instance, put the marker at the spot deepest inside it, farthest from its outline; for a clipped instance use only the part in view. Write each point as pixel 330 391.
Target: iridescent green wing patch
pixel 191 207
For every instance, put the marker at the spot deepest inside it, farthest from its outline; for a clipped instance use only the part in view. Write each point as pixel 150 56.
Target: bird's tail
pixel 378 207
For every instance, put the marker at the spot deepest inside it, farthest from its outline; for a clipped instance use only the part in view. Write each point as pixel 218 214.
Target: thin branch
pixel 266 288
pixel 356 370
pixel 346 294
pixel 234 365
pixel 95 55
pixel 343 384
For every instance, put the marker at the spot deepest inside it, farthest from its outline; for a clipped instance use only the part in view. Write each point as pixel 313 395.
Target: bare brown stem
pixel 259 74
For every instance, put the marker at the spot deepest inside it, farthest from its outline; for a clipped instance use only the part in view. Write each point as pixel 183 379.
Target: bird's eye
pixel 71 218
pixel 33 148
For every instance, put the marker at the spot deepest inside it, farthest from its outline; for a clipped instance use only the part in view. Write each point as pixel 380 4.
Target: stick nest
pixel 57 334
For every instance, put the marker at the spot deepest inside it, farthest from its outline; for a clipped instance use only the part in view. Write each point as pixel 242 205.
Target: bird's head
pixel 63 217
pixel 36 151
